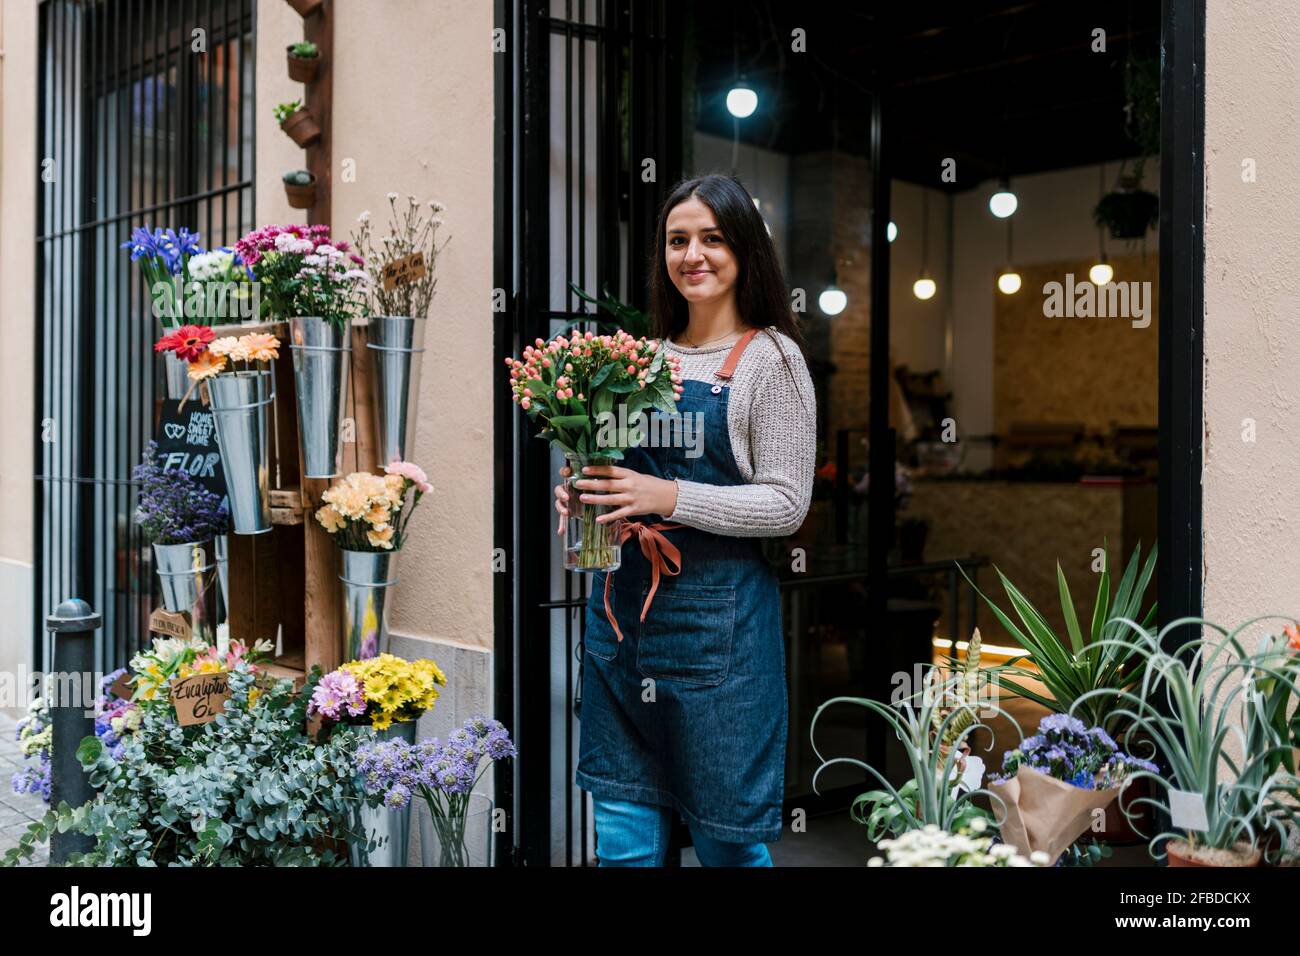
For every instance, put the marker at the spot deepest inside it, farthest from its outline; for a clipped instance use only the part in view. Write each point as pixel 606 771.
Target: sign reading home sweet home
pixel 404 271
pixel 200 698
pixel 187 441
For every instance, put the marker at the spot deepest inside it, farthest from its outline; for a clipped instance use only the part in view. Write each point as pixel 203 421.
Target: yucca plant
pixel 1216 735
pixel 1099 660
pixel 934 725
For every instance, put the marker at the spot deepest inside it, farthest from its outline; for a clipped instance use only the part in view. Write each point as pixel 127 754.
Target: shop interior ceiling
pixel 1005 88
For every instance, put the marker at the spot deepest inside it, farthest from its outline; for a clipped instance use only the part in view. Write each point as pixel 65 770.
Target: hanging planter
pixel 306 8
pixel 366 577
pixel 298 122
pixel 321 355
pixel 300 189
pixel 397 342
pixel 239 403
pixel 304 61
pixel 1129 211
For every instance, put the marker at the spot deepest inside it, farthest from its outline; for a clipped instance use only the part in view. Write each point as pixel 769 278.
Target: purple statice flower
pixel 173 508
pixel 1061 724
pixel 1064 748
pixel 338 693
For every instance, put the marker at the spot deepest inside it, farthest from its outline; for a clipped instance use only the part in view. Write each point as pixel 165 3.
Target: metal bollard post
pixel 74 625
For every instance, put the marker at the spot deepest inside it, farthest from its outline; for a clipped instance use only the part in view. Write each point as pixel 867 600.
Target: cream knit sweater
pixel 772 422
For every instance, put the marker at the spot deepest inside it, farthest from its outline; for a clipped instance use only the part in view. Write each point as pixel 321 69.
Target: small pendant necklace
pixel 687 341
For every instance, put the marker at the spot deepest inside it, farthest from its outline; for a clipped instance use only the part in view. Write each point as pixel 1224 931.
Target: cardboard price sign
pixel 200 698
pixel 187 441
pixel 169 623
pixel 122 687
pixel 404 271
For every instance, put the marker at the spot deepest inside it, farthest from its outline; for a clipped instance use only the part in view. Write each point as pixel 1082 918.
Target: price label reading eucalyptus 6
pixel 404 271
pixel 200 698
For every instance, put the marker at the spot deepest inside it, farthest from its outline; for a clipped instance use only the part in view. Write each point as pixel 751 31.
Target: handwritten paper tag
pixel 404 271
pixel 169 623
pixel 200 698
pixel 1187 811
pixel 122 687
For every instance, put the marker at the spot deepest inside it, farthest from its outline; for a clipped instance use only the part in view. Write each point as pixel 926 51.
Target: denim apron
pixel 689 709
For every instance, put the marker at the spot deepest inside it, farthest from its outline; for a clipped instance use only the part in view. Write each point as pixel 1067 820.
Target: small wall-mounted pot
pixel 301 195
pixel 306 8
pixel 302 69
pixel 302 128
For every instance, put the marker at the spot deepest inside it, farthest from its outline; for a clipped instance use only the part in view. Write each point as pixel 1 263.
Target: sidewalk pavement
pixel 16 810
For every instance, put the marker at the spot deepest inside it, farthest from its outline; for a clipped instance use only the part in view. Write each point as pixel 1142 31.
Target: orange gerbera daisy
pixel 206 366
pixel 260 347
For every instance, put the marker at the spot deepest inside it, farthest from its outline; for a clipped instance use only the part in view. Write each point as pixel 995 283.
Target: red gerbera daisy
pixel 168 343
pixel 193 341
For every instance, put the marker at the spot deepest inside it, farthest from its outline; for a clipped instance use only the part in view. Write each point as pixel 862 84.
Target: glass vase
pixel 589 545
pixel 457 837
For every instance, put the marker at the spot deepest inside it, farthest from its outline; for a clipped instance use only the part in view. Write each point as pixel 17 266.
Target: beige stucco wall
pixel 19 178
pixel 1252 310
pixel 413 109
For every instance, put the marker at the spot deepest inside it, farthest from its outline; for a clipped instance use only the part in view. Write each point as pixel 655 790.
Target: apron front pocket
pixel 598 638
pixel 687 634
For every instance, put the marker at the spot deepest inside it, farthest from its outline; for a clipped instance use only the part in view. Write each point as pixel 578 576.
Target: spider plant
pixel 934 725
pixel 1215 733
pixel 1073 668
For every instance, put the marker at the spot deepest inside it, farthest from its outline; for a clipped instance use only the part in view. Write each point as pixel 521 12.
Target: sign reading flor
pixel 187 441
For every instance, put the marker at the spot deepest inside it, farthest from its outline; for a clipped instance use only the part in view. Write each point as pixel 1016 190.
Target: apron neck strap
pixel 733 357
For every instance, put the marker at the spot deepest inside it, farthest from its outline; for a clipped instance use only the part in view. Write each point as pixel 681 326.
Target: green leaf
pixel 1067 609
pixel 600 376
pixel 571 422
pixel 88 751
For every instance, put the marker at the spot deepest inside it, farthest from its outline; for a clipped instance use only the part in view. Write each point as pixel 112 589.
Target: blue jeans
pixel 631 833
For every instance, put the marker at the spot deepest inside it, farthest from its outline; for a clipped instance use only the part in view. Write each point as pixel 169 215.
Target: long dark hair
pixel 761 294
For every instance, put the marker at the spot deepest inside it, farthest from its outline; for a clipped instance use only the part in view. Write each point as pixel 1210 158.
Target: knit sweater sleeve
pixel 778 448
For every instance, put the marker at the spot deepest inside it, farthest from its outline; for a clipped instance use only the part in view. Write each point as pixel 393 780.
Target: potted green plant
pixel 300 188
pixel 298 122
pixel 304 61
pixel 1223 752
pixel 1129 211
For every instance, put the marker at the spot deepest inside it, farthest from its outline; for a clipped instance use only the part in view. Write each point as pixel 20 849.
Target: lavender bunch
pixel 444 775
pixel 173 507
pixel 34 733
pixel 1064 748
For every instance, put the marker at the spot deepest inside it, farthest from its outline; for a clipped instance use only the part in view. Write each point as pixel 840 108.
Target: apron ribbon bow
pixel 659 551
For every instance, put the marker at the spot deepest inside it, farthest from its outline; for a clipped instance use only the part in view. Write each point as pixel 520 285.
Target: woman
pixel 684 704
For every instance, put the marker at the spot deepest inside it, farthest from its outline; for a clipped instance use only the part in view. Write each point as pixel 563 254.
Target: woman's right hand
pixel 562 499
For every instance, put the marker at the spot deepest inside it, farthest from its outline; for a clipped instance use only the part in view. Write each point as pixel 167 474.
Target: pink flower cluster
pixel 267 239
pixel 412 473
pixel 590 352
pixel 336 692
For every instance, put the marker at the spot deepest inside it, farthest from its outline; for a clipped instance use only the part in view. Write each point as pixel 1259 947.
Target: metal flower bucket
pixel 181 568
pixel 397 342
pixel 176 375
pixel 389 829
pixel 239 401
pixel 321 354
pixel 221 549
pixel 366 578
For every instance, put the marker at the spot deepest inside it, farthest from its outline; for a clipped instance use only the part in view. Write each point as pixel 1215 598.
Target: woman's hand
pixel 631 492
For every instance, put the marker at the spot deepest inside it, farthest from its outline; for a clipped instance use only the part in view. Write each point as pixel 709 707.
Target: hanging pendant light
pixel 925 287
pixel 1009 280
pixel 742 101
pixel 1101 273
pixel 1003 203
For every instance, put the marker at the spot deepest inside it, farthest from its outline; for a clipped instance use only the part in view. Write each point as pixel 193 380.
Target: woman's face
pixel 700 263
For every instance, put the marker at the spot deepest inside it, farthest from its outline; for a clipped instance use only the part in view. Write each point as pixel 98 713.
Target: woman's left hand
pixel 630 491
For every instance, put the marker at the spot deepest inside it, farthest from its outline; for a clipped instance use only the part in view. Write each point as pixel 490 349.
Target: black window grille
pixel 145 118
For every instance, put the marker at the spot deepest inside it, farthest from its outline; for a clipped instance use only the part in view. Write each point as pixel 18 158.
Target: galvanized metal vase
pixel 366 578
pixel 389 829
pixel 397 342
pixel 239 401
pixel 181 569
pixel 221 551
pixel 176 375
pixel 321 354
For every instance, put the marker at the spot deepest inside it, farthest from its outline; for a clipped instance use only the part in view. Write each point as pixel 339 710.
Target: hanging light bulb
pixel 1101 273
pixel 1009 280
pixel 741 100
pixel 891 231
pixel 924 287
pixel 833 300
pixel 1003 203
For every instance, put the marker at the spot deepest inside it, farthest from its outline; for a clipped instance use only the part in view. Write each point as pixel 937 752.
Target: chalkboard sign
pixel 187 441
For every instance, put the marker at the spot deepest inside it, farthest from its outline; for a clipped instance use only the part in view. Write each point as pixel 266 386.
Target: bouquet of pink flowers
pixel 303 271
pixel 591 394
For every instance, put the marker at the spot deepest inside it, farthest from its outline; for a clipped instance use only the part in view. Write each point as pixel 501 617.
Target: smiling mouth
pixel 697 272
